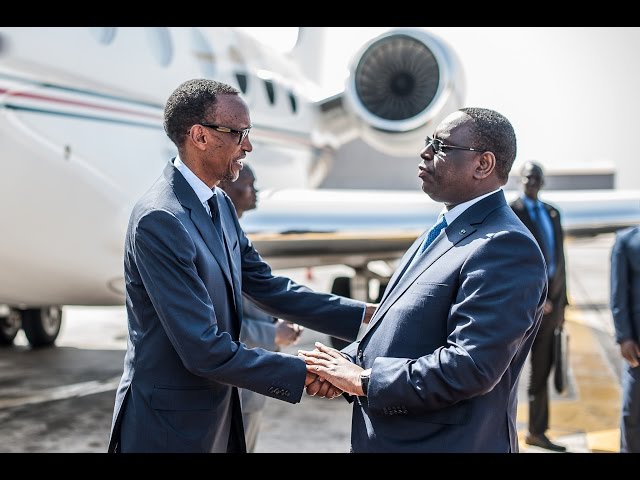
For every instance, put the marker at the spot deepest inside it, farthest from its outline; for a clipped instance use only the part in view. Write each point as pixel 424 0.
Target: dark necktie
pixel 215 215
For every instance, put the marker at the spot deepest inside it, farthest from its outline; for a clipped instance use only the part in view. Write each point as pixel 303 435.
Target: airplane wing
pixel 303 228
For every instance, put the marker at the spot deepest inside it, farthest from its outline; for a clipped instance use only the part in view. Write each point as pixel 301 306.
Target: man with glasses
pixel 188 265
pixel 437 369
pixel 543 220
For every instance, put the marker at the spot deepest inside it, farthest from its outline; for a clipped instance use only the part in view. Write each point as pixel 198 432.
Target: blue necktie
pixel 543 223
pixel 433 233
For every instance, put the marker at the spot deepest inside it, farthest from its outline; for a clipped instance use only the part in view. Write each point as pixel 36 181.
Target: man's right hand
pixel 287 333
pixel 630 352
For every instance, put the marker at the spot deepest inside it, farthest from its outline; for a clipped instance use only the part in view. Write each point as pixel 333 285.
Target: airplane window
pixel 160 43
pixel 294 103
pixel 242 81
pixel 104 35
pixel 204 53
pixel 271 92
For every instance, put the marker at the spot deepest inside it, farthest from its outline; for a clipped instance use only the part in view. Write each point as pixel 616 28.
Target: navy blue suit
pixel 625 308
pixel 447 344
pixel 184 289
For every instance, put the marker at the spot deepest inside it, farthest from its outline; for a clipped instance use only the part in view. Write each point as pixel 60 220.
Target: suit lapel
pixel 402 266
pixel 461 228
pixel 231 237
pixel 199 216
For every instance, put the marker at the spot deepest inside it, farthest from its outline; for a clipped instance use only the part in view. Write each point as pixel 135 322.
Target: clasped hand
pixel 329 373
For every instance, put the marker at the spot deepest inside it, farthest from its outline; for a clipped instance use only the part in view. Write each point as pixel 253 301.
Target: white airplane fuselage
pixel 81 139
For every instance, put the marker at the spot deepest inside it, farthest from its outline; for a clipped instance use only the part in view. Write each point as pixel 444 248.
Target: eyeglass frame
pixel 430 142
pixel 242 134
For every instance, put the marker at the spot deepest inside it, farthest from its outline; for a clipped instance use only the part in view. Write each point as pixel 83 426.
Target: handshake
pixel 330 373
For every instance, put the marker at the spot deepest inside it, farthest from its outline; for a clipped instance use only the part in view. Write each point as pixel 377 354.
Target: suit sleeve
pixel 281 297
pixel 498 304
pixel 165 255
pixel 619 300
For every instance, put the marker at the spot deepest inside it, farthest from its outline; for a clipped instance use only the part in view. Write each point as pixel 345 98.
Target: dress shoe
pixel 542 441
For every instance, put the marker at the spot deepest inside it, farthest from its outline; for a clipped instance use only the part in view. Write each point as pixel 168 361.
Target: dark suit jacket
pixel 184 307
pixel 447 344
pixel 558 283
pixel 625 284
pixel 258 330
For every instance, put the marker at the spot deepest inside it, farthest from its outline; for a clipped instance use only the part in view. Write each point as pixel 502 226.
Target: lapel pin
pixel 463 231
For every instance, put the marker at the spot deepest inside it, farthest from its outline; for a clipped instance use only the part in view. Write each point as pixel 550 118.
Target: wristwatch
pixel 364 381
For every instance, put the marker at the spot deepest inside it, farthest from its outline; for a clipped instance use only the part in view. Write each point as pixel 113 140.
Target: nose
pixel 246 144
pixel 424 153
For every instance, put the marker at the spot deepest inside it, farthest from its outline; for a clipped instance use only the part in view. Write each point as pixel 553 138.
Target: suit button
pixel 360 355
pixel 287 393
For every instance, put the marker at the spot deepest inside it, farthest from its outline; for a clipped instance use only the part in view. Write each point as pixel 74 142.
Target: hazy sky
pixel 572 93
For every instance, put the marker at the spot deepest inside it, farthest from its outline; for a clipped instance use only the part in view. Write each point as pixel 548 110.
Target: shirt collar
pixel 203 192
pixel 455 212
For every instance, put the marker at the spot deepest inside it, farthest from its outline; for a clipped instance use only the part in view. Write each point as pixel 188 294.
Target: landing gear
pixel 41 325
pixel 9 326
pixel 343 286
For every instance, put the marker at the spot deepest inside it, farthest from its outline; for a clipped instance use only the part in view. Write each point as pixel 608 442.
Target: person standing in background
pixel 259 329
pixel 543 220
pixel 625 308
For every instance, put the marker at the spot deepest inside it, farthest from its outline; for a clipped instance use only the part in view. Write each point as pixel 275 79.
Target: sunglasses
pixel 438 145
pixel 242 134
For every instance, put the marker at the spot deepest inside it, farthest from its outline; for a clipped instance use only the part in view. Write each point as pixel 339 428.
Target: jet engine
pixel 401 85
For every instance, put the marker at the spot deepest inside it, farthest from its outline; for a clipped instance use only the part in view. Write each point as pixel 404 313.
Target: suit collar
pixel 201 189
pixel 462 227
pixel 201 219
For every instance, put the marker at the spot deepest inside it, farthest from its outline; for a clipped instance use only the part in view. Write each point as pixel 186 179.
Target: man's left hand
pixel 330 364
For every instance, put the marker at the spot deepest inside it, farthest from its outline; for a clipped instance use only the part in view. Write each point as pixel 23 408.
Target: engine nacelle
pixel 401 85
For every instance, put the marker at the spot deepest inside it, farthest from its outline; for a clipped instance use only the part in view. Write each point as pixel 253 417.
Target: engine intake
pixel 401 84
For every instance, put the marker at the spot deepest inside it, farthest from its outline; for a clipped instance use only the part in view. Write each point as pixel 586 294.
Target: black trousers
pixel 541 360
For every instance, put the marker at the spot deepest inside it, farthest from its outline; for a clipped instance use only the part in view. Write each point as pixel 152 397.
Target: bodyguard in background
pixel 625 308
pixel 543 220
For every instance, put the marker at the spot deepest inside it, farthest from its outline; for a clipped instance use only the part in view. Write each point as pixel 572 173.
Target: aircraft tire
pixel 9 327
pixel 42 325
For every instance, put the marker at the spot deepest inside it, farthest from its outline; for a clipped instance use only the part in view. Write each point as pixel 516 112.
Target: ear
pixel 197 138
pixel 485 165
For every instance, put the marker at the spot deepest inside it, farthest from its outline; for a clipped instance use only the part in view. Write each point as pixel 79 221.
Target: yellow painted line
pixel 595 410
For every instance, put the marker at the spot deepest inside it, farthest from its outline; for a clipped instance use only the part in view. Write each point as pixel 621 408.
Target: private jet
pixel 81 138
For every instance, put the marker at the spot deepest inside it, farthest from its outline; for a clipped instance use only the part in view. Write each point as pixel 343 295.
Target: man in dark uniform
pixel 543 220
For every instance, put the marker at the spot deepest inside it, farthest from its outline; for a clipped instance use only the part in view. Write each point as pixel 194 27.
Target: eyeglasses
pixel 242 134
pixel 438 145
